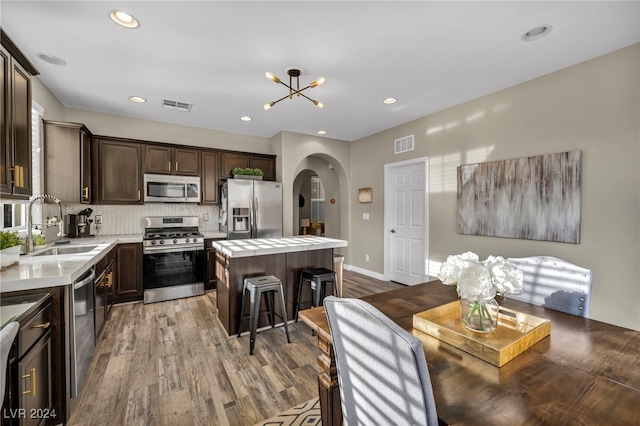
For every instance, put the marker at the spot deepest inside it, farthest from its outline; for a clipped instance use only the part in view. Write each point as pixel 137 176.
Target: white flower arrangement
pixel 478 280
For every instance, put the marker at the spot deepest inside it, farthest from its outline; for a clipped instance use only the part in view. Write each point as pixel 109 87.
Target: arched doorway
pixel 316 189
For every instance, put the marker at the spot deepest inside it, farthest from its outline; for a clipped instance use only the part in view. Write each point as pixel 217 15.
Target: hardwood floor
pixel 172 363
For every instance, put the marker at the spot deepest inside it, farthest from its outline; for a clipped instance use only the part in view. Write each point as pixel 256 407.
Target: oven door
pixel 171 274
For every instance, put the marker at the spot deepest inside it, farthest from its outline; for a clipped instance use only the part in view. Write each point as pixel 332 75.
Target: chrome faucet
pixel 30 219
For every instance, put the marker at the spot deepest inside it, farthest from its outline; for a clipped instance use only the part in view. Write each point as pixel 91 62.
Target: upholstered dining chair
pixel 382 370
pixel 7 335
pixel 555 283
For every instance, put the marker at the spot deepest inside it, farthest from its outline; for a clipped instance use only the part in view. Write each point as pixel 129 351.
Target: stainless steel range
pixel 173 258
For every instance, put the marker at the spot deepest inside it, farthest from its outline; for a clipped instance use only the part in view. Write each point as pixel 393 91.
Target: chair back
pixel 7 335
pixel 382 370
pixel 555 283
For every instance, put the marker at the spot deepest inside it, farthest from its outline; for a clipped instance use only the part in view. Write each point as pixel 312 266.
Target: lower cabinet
pixel 104 290
pixel 29 396
pixel 128 273
pixel 211 281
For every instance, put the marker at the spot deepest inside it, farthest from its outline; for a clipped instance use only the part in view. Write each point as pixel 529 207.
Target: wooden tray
pixel 516 332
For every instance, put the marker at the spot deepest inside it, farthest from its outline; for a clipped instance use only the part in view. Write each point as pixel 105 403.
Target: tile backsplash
pixel 127 220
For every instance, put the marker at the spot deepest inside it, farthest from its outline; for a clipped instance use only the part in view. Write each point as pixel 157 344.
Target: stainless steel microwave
pixel 171 189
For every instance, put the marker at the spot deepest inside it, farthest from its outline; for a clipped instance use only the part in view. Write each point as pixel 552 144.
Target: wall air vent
pixel 178 106
pixel 403 144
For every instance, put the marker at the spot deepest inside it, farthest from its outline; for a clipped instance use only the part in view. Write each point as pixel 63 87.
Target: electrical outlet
pixel 205 217
pixel 98 219
pixel 366 257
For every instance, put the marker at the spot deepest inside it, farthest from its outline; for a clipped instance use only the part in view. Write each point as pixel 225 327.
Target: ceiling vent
pixel 403 144
pixel 178 106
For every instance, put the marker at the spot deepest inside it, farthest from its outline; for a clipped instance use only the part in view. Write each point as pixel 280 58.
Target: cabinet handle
pixel 176 166
pixel 32 376
pixel 85 193
pixel 138 195
pixel 45 325
pixel 18 176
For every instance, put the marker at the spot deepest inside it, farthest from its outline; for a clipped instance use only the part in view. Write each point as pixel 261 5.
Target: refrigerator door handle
pixel 252 219
pixel 255 218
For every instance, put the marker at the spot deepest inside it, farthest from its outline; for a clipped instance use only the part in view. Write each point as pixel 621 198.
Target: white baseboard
pixel 368 273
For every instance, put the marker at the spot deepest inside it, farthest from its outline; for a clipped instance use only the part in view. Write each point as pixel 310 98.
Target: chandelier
pixel 294 73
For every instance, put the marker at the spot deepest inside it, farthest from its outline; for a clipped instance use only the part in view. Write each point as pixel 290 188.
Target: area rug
pixel 305 414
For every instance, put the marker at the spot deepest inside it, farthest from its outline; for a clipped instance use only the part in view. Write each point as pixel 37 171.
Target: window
pixel 13 215
pixel 317 200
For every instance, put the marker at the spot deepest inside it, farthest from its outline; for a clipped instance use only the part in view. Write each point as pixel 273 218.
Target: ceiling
pixel 214 54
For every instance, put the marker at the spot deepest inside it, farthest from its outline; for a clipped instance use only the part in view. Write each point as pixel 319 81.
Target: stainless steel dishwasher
pixel 80 333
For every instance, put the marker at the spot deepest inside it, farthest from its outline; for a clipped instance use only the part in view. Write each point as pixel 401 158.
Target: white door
pixel 406 221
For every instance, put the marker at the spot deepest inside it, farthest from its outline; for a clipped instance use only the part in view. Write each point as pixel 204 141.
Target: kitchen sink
pixel 65 250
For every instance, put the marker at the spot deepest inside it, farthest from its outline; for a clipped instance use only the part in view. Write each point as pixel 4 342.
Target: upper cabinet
pixel 231 160
pixel 169 160
pixel 67 162
pixel 15 121
pixel 209 177
pixel 119 172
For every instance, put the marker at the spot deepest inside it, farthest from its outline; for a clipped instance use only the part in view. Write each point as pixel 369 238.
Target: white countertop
pixel 51 271
pixel 263 246
pixel 214 234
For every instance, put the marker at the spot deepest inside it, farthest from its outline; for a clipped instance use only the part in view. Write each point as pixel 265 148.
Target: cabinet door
pixel 5 120
pixel 266 164
pixel 231 160
pixel 85 167
pixel 128 276
pixel 210 177
pixel 21 125
pixel 34 386
pixel 186 161
pixel 62 161
pixel 157 159
pixel 120 178
pixel 210 276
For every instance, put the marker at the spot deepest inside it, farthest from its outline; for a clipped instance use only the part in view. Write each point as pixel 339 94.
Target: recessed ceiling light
pixel 137 99
pixel 321 132
pixel 124 19
pixel 245 118
pixel 389 101
pixel 54 60
pixel 536 33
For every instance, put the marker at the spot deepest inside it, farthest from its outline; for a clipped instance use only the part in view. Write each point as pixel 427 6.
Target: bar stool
pixel 318 277
pixel 256 287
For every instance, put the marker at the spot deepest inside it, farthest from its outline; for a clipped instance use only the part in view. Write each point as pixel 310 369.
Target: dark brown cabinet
pixel 128 273
pixel 231 160
pixel 264 163
pixel 67 161
pixel 119 173
pixel 210 274
pixel 171 160
pixel 209 177
pixel 29 397
pixel 15 121
pixel 104 290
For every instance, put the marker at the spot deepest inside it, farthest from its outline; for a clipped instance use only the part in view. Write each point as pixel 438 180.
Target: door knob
pixel 393 231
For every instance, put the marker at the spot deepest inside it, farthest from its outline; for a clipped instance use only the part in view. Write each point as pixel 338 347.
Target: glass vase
pixel 480 316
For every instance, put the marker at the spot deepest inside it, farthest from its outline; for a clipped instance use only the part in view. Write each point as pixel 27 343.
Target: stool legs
pixel 253 320
pixel 284 315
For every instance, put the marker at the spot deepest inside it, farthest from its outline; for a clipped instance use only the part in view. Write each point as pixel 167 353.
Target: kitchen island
pixel 282 257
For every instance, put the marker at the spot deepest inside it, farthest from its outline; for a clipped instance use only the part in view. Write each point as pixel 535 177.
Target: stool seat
pixel 317 278
pixel 256 287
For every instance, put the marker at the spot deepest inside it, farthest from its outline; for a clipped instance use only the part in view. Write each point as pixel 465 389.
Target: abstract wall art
pixel 533 198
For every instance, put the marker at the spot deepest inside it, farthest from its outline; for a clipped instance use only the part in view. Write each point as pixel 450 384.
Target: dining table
pixel 585 372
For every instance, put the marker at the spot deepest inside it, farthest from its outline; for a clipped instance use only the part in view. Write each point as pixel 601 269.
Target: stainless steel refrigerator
pixel 251 209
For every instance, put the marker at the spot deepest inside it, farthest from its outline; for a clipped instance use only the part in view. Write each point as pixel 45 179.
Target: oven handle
pixel 171 249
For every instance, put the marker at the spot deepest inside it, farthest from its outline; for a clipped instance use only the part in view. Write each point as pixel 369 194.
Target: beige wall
pixel 592 107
